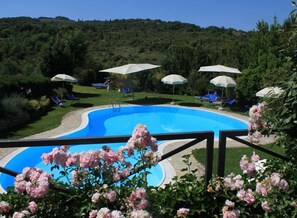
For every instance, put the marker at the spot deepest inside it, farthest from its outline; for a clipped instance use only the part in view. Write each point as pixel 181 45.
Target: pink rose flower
pixel 111 195
pixel 140 213
pixel 183 212
pixel 34 181
pixel 96 197
pixel 255 157
pixel 103 212
pixel 93 213
pixel 47 158
pixel 231 214
pixel 261 189
pixel 265 206
pixel 4 207
pixel 111 157
pixel 283 185
pixel 32 207
pixel 275 179
pixel 229 203
pixel 246 196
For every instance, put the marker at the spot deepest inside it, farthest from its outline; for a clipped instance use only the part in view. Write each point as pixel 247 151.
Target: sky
pixel 237 14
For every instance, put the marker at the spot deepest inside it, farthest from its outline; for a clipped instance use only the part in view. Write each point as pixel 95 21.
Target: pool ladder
pixel 115 103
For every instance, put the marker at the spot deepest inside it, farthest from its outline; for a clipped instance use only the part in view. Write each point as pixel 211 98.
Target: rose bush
pixel 101 184
pixel 256 124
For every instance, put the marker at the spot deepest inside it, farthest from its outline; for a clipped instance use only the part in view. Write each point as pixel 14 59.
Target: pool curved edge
pixel 167 168
pixel 6 159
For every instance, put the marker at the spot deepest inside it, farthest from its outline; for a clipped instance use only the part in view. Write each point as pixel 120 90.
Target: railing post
pixel 209 158
pixel 222 153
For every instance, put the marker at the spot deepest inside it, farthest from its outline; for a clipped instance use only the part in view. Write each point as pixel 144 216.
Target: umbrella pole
pixel 62 90
pixel 173 94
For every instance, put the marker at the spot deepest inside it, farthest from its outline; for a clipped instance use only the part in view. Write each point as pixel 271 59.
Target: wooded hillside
pixel 49 46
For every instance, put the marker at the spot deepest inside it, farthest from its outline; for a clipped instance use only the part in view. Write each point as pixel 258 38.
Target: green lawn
pixel 233 156
pixel 89 96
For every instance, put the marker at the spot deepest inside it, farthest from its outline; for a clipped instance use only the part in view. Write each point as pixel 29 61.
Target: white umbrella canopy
pixel 270 92
pixel 223 81
pixel 219 68
pixel 130 68
pixel 174 79
pixel 63 78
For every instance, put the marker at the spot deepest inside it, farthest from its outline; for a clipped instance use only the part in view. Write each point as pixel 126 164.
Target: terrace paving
pixel 74 119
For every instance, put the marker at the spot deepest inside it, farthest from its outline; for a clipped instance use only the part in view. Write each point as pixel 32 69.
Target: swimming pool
pixel 121 121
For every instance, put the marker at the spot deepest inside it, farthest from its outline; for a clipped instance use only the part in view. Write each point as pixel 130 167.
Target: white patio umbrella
pixel 270 92
pixel 130 68
pixel 219 68
pixel 174 79
pixel 223 81
pixel 63 78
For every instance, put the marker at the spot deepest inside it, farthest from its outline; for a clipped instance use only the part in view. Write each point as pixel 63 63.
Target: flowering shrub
pixel 102 185
pixel 258 191
pixel 264 189
pixel 256 124
pixel 98 186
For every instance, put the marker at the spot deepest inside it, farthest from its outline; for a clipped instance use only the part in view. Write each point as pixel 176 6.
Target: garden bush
pixel 17 110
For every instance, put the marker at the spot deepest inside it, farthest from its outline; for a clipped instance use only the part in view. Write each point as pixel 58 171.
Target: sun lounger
pixel 209 97
pixel 213 97
pixel 57 101
pixel 126 91
pixel 230 101
pixel 71 97
pixel 203 97
pixel 101 85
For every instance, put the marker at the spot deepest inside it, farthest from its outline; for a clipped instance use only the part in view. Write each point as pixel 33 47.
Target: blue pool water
pixel 108 122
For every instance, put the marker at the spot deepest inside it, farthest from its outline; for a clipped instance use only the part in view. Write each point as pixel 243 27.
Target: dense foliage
pixel 49 46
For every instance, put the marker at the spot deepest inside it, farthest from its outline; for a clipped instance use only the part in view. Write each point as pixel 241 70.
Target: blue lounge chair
pixel 57 101
pixel 209 97
pixel 102 85
pixel 126 91
pixel 213 97
pixel 71 97
pixel 230 101
pixel 203 97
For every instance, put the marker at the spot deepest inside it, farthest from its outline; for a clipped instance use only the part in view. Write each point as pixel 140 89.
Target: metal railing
pixel 235 134
pixel 192 139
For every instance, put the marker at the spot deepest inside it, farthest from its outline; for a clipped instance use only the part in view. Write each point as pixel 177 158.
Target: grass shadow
pixel 81 105
pixel 86 95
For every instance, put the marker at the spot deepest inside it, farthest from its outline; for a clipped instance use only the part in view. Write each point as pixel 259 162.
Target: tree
pixel 63 53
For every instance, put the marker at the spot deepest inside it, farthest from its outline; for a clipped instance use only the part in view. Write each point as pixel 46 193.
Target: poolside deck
pixel 74 119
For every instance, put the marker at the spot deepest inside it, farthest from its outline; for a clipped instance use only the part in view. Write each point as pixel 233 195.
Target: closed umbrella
pixel 174 79
pixel 270 92
pixel 223 81
pixel 219 69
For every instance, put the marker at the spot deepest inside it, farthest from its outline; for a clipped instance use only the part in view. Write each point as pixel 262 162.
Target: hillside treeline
pixel 44 47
